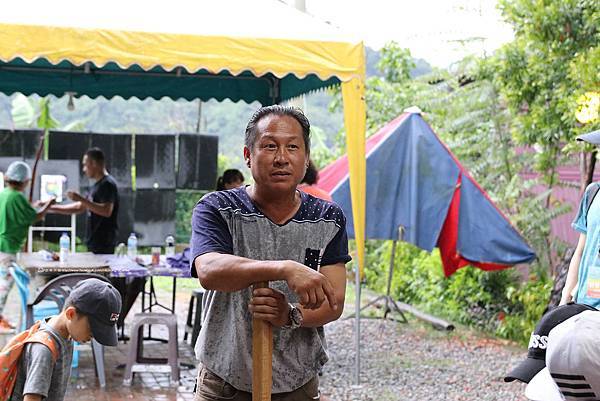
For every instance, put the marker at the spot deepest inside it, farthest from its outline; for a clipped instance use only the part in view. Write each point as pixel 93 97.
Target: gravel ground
pixel 406 361
pixel 415 362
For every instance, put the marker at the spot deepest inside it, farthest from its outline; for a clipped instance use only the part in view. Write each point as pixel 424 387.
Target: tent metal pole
pixel 185 74
pixel 357 324
pixel 390 275
pixel 389 301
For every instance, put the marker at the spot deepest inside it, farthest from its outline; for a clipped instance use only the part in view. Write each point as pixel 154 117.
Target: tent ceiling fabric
pixel 275 53
pixel 42 78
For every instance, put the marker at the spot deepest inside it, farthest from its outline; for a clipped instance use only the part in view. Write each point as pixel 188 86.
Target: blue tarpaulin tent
pixel 414 181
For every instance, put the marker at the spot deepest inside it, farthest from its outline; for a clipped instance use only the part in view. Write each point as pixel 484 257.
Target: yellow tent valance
pixel 215 54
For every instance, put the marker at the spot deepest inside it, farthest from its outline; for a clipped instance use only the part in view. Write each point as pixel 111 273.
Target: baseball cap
pixel 101 303
pixel 18 171
pixel 591 137
pixel 538 342
pixel 573 361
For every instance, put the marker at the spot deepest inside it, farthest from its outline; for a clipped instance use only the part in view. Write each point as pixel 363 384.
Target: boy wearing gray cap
pixel 91 311
pixel 16 215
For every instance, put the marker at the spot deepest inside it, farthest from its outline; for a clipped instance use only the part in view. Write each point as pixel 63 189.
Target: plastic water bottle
pixel 170 246
pixel 132 246
pixel 64 243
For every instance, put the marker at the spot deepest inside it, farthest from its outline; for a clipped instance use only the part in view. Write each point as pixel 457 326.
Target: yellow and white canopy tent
pixel 260 50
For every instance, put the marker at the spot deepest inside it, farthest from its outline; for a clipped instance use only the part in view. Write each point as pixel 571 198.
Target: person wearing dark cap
pixel 538 342
pixel 583 279
pixel 90 311
pixel 572 362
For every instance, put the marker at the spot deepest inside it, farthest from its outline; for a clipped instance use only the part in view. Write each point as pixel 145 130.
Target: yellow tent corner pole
pixel 353 94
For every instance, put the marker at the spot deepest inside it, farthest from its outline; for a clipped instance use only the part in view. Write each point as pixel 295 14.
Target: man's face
pixel 90 167
pixel 279 157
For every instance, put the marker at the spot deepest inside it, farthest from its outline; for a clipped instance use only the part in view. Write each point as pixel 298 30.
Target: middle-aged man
pixel 268 231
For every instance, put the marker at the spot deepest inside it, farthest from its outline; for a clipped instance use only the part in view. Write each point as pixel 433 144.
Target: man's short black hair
pixel 96 154
pixel 294 112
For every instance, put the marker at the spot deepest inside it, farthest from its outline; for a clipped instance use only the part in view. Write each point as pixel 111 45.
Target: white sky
pixel 431 29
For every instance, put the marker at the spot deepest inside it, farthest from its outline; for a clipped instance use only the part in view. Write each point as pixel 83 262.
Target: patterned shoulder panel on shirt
pixel 235 199
pixel 316 209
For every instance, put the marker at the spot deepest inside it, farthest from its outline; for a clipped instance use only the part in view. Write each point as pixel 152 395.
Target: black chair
pixel 57 290
pixel 194 316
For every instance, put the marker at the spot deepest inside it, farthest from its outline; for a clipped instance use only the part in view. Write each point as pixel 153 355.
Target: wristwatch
pixel 295 316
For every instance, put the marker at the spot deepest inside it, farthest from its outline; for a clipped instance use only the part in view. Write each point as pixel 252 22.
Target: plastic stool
pixel 194 314
pixel 137 363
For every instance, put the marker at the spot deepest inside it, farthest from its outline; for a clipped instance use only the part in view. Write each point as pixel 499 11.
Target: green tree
pixel 395 63
pixel 552 61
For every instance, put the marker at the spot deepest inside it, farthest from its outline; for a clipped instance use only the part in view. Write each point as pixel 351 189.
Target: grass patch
pixel 165 284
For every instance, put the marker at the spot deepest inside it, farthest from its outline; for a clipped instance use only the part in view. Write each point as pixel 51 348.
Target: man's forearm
pixel 72 208
pixel 229 273
pixel 326 314
pixel 320 317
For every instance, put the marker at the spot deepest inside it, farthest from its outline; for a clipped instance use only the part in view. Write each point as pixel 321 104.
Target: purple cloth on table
pixel 125 267
pixel 180 260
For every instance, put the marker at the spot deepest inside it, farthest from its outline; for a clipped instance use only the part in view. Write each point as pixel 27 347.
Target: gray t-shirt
pixel 38 374
pixel 228 222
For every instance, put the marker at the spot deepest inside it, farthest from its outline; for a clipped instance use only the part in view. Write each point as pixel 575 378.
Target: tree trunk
pixel 38 155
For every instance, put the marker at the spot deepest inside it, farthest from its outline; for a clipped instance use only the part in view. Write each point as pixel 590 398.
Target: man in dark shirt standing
pixel 101 204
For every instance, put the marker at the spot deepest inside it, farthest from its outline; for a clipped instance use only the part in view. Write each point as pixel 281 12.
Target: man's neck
pixel 100 175
pixel 279 207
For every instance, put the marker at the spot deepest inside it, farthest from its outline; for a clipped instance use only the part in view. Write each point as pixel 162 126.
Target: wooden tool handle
pixel 262 357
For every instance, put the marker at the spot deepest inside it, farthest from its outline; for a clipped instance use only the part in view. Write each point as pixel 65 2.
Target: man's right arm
pixel 229 273
pixel 573 272
pixel 71 208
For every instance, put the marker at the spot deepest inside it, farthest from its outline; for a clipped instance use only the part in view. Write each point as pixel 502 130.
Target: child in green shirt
pixel 16 215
